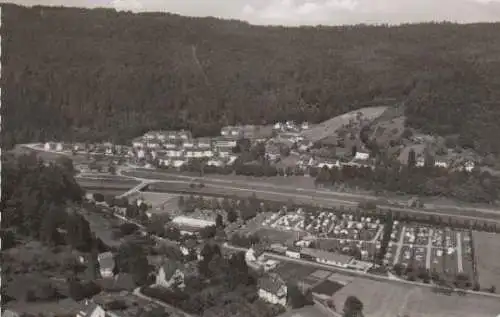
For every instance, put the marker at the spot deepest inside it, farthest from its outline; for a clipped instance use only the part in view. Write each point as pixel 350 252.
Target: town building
pixel 362 156
pixel 273 289
pixel 106 264
pixel 293 252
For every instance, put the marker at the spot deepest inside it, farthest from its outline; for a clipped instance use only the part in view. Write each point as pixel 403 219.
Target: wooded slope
pixel 91 74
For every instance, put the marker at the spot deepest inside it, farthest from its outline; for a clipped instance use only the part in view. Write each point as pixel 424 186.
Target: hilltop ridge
pixel 73 74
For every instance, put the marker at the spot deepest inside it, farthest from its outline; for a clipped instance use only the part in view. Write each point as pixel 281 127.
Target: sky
pixel 307 12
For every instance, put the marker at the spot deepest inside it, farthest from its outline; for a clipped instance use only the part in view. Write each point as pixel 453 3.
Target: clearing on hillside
pixel 330 127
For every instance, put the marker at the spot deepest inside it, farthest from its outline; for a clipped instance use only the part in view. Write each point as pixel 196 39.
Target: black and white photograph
pixel 250 158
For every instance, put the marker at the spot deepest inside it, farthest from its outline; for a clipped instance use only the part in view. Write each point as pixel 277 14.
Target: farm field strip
pixel 486 249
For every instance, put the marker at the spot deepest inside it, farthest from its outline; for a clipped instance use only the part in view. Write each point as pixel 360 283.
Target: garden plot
pixel 365 230
pixel 397 230
pixel 321 223
pixel 361 249
pixel 416 235
pixel 413 256
pixel 466 253
pixel 444 260
pixel 444 239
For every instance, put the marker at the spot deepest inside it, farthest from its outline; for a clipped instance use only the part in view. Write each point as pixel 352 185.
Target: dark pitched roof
pixel 271 283
pixel 170 267
pixel 124 281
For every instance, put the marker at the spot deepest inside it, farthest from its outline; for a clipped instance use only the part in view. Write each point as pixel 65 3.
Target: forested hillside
pixel 92 74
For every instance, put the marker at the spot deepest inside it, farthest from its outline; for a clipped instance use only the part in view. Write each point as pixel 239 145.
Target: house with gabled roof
pixel 170 275
pixel 273 289
pixel 106 264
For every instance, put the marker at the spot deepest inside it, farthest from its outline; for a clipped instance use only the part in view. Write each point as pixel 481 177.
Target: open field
pixel 161 202
pixel 487 251
pixel 330 127
pixel 382 299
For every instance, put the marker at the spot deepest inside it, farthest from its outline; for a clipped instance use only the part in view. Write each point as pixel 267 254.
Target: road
pixel 350 272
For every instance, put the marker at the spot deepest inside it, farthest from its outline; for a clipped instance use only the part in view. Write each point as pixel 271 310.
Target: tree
pixel 181 203
pixel 354 150
pixel 232 216
pixel 48 229
pixel 412 158
pixel 172 233
pixel 98 197
pixel 208 232
pixel 398 269
pixel 492 289
pixel 353 307
pixel 131 258
pixel 219 222
pixel 297 298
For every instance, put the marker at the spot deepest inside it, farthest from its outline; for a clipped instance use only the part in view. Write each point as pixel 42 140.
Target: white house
pixel 204 143
pixel 178 163
pixel 141 154
pixel 106 264
pixel 252 255
pixel 273 289
pixel 170 275
pixel 59 147
pixel 420 162
pixel 91 309
pixel 174 153
pixel 442 164
pixel 278 126
pixel 47 146
pixel 304 125
pixel 224 143
pixel 188 144
pixel 361 156
pixel 170 145
pixel 293 253
pixel 152 144
pixel 217 163
pixel 469 166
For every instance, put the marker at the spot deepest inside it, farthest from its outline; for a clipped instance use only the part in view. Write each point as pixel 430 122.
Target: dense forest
pixel 98 74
